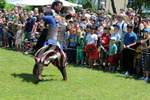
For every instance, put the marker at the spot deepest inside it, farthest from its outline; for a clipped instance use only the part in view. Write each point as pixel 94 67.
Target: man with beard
pixel 52 51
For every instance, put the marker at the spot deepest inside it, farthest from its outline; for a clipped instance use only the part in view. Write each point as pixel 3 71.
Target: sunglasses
pixel 119 17
pixel 107 28
pixel 99 14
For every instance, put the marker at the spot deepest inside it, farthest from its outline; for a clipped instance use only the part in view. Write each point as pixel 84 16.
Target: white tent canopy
pixel 39 2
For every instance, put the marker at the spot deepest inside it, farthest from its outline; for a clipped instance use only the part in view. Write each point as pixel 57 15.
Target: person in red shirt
pixel 104 41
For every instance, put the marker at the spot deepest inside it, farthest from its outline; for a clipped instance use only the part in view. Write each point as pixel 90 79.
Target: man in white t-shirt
pixel 123 26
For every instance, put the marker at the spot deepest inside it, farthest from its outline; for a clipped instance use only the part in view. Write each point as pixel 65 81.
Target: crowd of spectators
pixel 116 34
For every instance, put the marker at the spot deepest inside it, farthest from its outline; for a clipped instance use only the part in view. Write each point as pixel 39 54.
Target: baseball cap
pixel 146 30
pixel 122 9
pixel 102 2
pixel 82 25
pixel 113 38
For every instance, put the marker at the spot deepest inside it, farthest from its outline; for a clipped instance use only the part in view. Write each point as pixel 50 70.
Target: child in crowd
pixel 72 47
pixel 80 48
pixel 104 40
pixel 26 46
pixel 18 37
pixel 146 57
pixel 91 38
pixel 117 36
pixel 1 33
pixel 88 30
pixel 33 42
pixel 130 39
pixel 138 57
pixel 82 28
pixel 112 52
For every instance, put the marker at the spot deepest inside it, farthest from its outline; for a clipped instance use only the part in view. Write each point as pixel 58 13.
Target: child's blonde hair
pixel 79 31
pixel 74 30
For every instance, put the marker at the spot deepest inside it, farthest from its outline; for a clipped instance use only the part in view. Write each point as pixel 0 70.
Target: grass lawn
pixel 16 82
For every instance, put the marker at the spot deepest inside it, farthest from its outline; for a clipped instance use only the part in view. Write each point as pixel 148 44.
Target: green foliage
pixel 83 83
pixel 87 4
pixel 137 5
pixel 9 6
pixel 2 4
pixel 108 12
pixel 70 1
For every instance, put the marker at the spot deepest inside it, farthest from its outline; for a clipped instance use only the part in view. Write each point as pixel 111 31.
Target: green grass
pixel 16 82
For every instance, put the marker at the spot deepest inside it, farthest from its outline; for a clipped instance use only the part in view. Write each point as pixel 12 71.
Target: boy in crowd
pixel 112 51
pixel 130 39
pixel 146 57
pixel 80 48
pixel 104 40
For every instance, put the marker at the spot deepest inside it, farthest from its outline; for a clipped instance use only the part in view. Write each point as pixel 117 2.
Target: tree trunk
pixel 113 7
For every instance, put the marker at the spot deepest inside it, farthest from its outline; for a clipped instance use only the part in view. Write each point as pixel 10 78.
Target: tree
pixel 2 4
pixel 137 5
pixel 113 7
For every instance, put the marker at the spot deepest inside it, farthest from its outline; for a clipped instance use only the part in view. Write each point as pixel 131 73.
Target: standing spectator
pixel 99 16
pixel 18 38
pixel 122 25
pixel 10 34
pixel 100 29
pixel 80 9
pixel 130 39
pixel 36 14
pixel 108 20
pixel 122 12
pixel 82 28
pixel 30 22
pixel 146 23
pixel 130 12
pixel 80 48
pixel 5 28
pixel 112 51
pixel 102 5
pixel 91 38
pixel 1 33
pixel 20 10
pixel 104 40
pixel 72 47
pixel 146 57
pixel 117 36
pixel 137 26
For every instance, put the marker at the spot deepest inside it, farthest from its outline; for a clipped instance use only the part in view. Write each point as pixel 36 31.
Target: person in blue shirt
pixel 1 34
pixel 128 53
pixel 29 25
pixel 72 47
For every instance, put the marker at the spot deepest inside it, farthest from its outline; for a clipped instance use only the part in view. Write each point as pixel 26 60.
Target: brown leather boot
pixel 38 78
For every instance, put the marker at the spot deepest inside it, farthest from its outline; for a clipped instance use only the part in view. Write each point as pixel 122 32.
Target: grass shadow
pixel 135 77
pixel 12 49
pixel 26 77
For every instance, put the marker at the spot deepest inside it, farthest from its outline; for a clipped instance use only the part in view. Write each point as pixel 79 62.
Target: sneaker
pixel 126 73
pixel 113 71
pixel 123 72
pixel 146 79
pixel 26 52
pixel 99 67
pixel 142 78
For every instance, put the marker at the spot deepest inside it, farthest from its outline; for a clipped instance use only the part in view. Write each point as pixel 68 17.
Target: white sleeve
pixel 96 38
pixel 124 27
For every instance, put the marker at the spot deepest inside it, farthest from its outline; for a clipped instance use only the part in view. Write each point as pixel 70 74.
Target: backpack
pixel 122 24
